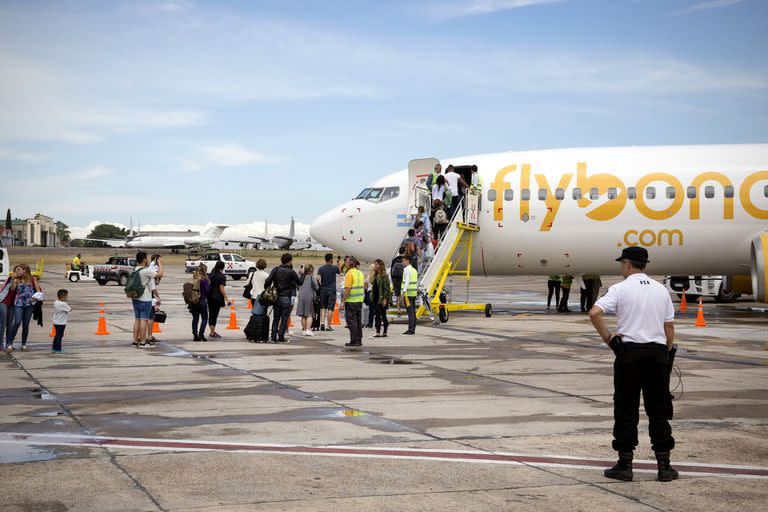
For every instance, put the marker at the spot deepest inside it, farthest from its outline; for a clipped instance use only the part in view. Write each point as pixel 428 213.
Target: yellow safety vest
pixel 356 292
pixel 412 283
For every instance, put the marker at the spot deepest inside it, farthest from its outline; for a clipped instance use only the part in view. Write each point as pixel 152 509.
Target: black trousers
pixel 642 367
pixel 553 287
pixel 353 312
pixel 282 315
pixel 59 335
pixel 564 301
pixel 381 318
pixel 213 312
pixel 410 308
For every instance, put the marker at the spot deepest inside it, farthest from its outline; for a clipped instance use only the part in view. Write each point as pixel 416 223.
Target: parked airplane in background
pixel 289 242
pixel 698 210
pixel 211 235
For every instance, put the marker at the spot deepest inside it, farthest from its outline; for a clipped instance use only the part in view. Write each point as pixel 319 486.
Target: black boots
pixel 623 468
pixel 666 472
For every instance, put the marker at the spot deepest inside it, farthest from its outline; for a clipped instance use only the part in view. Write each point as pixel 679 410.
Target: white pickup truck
pixel 234 264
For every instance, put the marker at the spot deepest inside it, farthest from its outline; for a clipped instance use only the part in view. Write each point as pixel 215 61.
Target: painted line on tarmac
pixel 466 456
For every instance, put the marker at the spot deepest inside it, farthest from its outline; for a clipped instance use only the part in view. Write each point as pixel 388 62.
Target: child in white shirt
pixel 60 315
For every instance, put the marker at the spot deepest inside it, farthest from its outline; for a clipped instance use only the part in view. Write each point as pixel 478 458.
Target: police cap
pixel 638 254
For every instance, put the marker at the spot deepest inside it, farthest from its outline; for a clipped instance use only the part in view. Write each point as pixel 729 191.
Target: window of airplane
pixel 577 193
pixel 559 194
pixel 509 194
pixel 728 191
pixel 612 193
pixel 374 195
pixel 650 193
pixel 390 193
pixel 631 193
pixel 363 194
pixel 491 194
pixel 709 191
pixel 542 194
pixel 670 192
pixel 237 257
pixel 226 257
pixel 525 194
pixel 691 192
pixel 594 193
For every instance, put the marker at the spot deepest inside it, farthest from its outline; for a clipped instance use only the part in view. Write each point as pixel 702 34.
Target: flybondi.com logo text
pixel 587 188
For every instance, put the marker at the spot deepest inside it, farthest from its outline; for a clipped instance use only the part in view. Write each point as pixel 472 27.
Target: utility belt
pixel 619 346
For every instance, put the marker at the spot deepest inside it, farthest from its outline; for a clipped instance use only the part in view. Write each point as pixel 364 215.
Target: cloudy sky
pixel 183 112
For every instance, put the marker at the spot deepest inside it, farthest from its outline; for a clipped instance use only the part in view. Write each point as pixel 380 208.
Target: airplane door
pixel 418 172
pixel 349 223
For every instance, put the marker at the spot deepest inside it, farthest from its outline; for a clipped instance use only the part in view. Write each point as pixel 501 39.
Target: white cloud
pixel 93 173
pixel 711 4
pixel 231 155
pixel 479 7
pixel 21 156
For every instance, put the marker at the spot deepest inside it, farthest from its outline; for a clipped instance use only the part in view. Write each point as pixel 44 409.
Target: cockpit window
pixel 390 193
pixel 363 194
pixel 374 195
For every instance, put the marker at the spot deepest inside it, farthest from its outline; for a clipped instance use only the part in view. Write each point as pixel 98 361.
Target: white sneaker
pixel 310 333
pixel 306 333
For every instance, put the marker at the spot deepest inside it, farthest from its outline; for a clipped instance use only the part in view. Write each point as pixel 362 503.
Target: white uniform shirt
pixel 452 181
pixel 642 305
pixel 60 312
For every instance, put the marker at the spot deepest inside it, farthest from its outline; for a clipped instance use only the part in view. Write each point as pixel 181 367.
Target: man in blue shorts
pixel 142 305
pixel 326 276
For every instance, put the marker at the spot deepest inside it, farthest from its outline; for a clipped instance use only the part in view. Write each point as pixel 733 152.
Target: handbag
pixel 160 317
pixel 248 287
pixel 268 297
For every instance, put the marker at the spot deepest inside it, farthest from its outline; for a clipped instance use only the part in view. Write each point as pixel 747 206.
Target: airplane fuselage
pixel 697 209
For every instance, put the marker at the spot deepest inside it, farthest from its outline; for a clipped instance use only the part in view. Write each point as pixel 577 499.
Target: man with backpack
pixel 396 273
pixel 137 288
pixel 412 247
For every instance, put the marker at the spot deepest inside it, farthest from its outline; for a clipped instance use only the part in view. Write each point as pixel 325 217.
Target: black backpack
pixel 398 269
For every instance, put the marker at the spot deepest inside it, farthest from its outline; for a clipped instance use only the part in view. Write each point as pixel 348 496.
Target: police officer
pixel 644 336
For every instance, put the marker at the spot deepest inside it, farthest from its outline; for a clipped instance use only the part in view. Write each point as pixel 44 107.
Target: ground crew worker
pixel 76 262
pixel 410 291
pixel 565 286
pixel 645 332
pixel 433 177
pixel 354 292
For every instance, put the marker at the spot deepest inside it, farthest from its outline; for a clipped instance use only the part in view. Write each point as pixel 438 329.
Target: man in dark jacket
pixel 285 279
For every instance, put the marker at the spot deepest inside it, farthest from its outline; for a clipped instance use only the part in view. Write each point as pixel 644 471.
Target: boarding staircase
pixel 452 257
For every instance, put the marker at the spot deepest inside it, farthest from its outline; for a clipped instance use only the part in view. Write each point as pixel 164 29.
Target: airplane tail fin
pixel 214 232
pixel 291 232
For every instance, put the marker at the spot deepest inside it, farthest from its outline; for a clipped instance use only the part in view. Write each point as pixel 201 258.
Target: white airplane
pixel 697 209
pixel 211 235
pixel 268 241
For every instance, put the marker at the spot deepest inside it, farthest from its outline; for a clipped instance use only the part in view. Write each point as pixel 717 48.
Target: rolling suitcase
pixel 257 330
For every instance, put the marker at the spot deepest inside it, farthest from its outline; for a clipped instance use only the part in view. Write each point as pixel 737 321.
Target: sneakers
pixel 24 348
pixel 308 333
pixel 353 344
pixel 623 468
pixel 281 340
pixel 9 349
pixel 215 336
pixel 329 328
pixel 154 340
pixel 196 338
pixel 322 327
pixel 377 335
pixel 57 351
pixel 409 333
pixel 203 338
pixel 146 345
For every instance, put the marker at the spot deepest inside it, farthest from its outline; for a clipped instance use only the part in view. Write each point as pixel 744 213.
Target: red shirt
pixel 8 300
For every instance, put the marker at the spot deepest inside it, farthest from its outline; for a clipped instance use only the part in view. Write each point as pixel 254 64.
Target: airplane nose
pixel 326 229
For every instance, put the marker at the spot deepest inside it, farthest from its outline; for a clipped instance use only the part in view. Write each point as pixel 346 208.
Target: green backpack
pixel 133 287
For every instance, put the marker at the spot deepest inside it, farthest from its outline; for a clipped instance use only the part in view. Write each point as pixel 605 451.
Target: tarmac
pixel 512 412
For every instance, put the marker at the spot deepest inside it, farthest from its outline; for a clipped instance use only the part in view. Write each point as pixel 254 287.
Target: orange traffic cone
pixel 53 331
pixel 101 329
pixel 700 316
pixel 684 303
pixel 232 319
pixel 335 320
pixel 155 327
